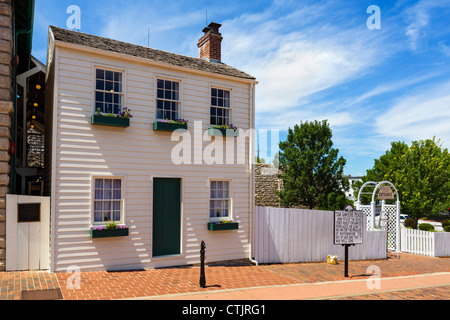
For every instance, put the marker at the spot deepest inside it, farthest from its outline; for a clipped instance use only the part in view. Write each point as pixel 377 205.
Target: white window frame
pixel 122 199
pixel 94 84
pixel 230 200
pixel 230 109
pixel 180 94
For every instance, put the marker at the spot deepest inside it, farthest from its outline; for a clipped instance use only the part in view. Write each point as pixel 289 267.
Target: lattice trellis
pixel 367 209
pixel 391 214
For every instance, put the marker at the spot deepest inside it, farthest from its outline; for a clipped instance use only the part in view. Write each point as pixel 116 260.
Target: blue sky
pixel 314 60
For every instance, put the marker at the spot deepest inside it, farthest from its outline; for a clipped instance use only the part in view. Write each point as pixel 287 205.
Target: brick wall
pixel 6 108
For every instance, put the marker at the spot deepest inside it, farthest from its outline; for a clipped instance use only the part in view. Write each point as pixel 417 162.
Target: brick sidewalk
pixel 106 285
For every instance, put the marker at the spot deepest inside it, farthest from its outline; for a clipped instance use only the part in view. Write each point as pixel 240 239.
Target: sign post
pixel 348 230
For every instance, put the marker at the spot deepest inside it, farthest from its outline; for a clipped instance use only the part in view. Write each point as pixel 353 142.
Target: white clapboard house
pixel 167 184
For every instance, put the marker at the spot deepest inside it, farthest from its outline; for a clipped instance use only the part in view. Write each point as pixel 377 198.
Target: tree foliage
pixel 312 172
pixel 421 174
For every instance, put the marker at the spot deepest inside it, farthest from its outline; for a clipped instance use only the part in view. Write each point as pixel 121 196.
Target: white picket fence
pixel 294 235
pixel 434 244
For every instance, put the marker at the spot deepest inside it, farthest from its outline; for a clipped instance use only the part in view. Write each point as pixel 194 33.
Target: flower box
pixel 168 126
pixel 217 226
pixel 99 232
pixel 223 132
pixel 110 121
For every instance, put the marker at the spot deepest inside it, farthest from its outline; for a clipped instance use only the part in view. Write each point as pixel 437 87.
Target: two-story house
pixel 101 168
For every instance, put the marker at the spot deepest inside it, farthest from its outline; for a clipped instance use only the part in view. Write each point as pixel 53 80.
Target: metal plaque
pixel 348 227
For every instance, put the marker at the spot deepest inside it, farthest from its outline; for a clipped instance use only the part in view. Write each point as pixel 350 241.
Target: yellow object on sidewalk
pixel 332 259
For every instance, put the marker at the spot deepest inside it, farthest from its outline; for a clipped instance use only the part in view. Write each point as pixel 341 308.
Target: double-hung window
pixel 108 200
pixel 220 107
pixel 167 99
pixel 219 202
pixel 108 91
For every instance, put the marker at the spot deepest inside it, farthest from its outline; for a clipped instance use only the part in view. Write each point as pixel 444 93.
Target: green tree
pixel 312 172
pixel 421 174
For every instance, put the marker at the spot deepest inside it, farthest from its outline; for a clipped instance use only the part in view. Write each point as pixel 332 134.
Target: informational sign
pixel 385 193
pixel 348 227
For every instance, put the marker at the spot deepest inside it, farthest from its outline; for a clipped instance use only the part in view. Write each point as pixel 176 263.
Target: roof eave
pixel 119 55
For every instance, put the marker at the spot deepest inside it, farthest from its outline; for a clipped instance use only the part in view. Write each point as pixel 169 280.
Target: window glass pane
pixel 109 75
pixel 117 87
pixel 220 93
pixel 99 183
pixel 99 96
pixel 214 92
pixel 100 85
pixel 100 74
pixel 98 194
pixel 116 205
pixel 160 83
pixel 160 94
pixel 99 105
pixel 117 76
pixel 226 94
pixel 109 86
pixel 116 215
pixel 167 85
pixel 116 194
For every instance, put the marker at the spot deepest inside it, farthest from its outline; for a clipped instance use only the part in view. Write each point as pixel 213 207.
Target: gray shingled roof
pixel 111 45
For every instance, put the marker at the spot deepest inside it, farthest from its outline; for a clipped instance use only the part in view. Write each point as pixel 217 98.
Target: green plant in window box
pixel 224 130
pixel 110 229
pixel 224 224
pixel 110 119
pixel 170 125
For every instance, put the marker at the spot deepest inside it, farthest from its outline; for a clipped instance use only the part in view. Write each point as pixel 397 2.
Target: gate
pixel 27 232
pixel 389 218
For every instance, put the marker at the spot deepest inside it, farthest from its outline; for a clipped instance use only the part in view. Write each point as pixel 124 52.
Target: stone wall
pixel 266 185
pixel 6 109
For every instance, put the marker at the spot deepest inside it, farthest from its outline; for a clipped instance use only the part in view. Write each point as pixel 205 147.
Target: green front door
pixel 166 216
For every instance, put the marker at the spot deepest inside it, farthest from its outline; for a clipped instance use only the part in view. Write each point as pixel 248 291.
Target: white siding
pixel 138 154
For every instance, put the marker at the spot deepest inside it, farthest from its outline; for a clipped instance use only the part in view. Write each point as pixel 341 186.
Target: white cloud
pixel 291 66
pixel 418 117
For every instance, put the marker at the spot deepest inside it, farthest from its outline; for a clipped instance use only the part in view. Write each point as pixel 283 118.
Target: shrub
pixel 411 223
pixel 426 227
pixel 447 228
pixel 445 223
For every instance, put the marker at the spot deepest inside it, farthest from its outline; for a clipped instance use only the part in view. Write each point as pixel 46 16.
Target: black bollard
pixel 202 265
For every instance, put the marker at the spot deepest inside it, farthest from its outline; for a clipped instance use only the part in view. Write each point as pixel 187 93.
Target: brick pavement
pixel 104 285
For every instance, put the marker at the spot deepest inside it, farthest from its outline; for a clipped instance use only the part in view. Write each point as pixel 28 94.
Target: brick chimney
pixel 210 43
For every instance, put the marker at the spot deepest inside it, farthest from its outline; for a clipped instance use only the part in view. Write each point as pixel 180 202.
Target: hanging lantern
pixel 38 86
pixel 35 104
